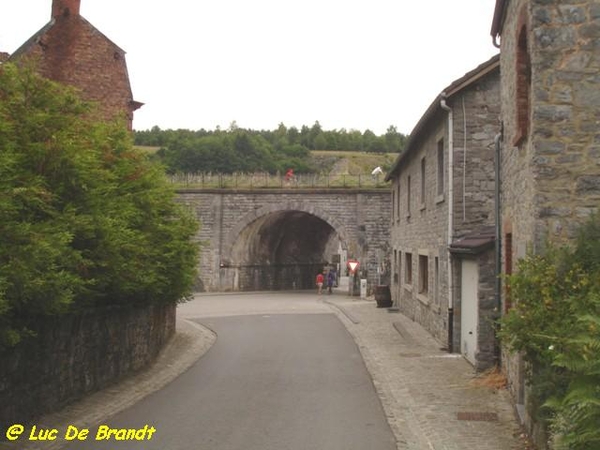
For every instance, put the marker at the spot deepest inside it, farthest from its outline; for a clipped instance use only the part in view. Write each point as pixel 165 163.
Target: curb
pixel 190 342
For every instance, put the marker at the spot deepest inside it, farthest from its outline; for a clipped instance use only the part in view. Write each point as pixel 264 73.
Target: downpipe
pixel 498 236
pixel 450 237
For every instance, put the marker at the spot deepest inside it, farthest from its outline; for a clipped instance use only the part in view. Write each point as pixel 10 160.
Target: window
pixel 399 267
pixel 436 275
pixel 422 182
pixel 523 82
pixel 396 262
pixel 423 274
pixel 440 167
pixel 408 195
pixel 408 268
pixel 398 199
pixel 393 205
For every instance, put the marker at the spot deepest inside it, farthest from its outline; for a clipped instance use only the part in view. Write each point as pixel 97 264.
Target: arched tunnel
pixel 282 250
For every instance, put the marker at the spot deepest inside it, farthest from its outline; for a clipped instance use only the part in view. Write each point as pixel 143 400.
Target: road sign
pixel 352 265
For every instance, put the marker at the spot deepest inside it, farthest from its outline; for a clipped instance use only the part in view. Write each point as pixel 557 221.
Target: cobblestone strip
pixel 423 388
pixel 400 417
pixel 190 342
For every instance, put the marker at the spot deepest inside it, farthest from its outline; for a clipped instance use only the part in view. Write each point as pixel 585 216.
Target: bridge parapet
pixel 276 181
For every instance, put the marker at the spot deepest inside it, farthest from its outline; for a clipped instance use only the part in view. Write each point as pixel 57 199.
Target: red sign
pixel 352 265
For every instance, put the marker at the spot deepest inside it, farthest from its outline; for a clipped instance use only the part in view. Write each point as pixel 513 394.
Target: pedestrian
pixel 320 280
pixel 330 281
pixel 289 175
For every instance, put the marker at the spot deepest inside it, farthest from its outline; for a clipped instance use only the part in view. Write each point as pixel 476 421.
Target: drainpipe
pixel 497 205
pixel 450 219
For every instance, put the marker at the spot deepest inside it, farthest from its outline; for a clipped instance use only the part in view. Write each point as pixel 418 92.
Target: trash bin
pixel 383 296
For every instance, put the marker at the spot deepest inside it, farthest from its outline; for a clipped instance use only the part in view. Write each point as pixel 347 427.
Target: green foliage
pixel 85 221
pixel 556 324
pixel 239 150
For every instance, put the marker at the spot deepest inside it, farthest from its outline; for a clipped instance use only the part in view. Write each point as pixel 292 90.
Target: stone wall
pixel 476 114
pixel 360 217
pixel 551 179
pixel 424 231
pixel 550 175
pixel 74 355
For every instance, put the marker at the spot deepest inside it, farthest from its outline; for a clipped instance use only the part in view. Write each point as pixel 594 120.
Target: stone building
pixel 69 50
pixel 550 156
pixel 443 195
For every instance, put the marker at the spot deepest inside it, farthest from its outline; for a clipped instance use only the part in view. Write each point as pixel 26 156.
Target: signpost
pixel 352 268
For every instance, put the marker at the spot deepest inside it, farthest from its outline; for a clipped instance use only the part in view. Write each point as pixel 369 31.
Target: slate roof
pixel 476 242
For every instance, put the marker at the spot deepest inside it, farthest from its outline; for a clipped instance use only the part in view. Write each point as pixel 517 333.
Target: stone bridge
pixel 269 239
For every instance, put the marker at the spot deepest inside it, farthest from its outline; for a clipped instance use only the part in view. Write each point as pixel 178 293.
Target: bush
pixel 85 220
pixel 556 324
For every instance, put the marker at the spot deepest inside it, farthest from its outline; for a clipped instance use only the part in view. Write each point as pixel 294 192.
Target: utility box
pixel 363 288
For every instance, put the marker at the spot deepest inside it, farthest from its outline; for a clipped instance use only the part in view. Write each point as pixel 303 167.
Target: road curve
pixel 270 382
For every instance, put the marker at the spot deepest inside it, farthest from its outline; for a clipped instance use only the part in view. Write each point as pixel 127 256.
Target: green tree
pixel 85 220
pixel 394 141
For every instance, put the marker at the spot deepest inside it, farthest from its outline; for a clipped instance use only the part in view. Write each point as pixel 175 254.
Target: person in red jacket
pixel 320 280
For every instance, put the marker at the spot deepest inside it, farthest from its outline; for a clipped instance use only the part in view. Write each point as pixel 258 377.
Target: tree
pixel 85 220
pixel 394 141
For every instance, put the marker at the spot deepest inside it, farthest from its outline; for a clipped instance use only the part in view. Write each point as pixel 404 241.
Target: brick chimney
pixel 63 8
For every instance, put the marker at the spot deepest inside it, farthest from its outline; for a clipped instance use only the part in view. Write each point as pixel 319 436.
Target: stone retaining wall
pixel 74 355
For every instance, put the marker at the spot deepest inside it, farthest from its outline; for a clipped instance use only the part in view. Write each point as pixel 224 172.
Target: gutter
pixel 498 21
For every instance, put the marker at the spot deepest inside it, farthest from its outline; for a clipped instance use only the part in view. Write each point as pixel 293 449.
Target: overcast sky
pixel 354 64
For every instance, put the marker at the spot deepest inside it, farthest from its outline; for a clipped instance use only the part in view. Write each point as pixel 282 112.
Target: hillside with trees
pixel 242 150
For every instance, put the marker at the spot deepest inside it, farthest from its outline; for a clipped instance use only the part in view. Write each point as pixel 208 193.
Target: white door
pixel 469 314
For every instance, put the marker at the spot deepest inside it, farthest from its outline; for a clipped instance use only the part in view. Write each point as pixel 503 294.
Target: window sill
pixel 407 287
pixel 440 199
pixel 422 207
pixel 520 137
pixel 423 299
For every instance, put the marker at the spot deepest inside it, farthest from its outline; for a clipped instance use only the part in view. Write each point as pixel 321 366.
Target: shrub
pixel 85 220
pixel 556 324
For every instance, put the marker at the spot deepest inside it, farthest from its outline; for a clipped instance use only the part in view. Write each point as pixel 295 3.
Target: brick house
pixel 69 50
pixel 443 194
pixel 550 156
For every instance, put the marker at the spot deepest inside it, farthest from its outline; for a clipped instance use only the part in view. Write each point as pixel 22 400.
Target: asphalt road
pixel 270 382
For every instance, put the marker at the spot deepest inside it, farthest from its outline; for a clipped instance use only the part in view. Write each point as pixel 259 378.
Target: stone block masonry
pixel 258 239
pixel 74 355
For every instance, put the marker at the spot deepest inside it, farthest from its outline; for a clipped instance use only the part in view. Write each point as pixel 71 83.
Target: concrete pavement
pixel 430 397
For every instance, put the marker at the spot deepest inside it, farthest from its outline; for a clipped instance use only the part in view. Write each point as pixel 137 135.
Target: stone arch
pixel 232 235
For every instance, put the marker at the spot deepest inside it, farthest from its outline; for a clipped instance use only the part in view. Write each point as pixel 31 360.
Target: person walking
pixel 320 280
pixel 330 281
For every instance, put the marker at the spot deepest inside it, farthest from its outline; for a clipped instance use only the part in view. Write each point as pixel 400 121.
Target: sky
pixel 352 64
